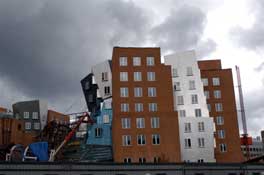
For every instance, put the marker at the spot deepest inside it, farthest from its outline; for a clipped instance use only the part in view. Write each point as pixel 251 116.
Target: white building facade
pixel 196 127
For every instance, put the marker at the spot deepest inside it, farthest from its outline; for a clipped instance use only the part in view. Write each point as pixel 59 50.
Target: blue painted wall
pixel 106 136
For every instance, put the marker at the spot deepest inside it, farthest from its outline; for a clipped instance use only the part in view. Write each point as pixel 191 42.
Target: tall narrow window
pixel 155 139
pixel 221 134
pixel 154 122
pixel 123 76
pixel 37 126
pixel 177 86
pixel 217 94
pixel 189 71
pixel 124 107
pixel 187 143
pixel 201 126
pixel 127 160
pixel 26 115
pixel 125 123
pixel 219 120
pixel 141 139
pixel 27 125
pixel 194 99
pixel 107 90
pixel 150 61
pixel 218 107
pixel 123 92
pixel 104 76
pixel 180 100
pixel 122 61
pixel 35 115
pixel 207 94
pixel 152 92
pixel 142 160
pixel 209 107
pixel 151 76
pixel 136 61
pixel 137 76
pixel 223 147
pixel 153 107
pixel 205 81
pixel 182 113
pixel 187 127
pixel 198 113
pixel 174 72
pixel 216 81
pixel 98 132
pixel 191 84
pixel 138 92
pixel 126 139
pixel 201 142
pixel 139 107
pixel 140 122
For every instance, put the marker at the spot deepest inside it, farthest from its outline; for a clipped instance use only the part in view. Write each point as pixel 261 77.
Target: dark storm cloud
pixel 46 46
pixel 182 30
pixel 251 38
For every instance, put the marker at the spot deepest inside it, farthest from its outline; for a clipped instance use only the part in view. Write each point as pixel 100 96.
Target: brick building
pixel 58 117
pixel 145 126
pixel 219 91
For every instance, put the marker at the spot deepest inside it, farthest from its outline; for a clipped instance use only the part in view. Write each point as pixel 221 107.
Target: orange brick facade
pixel 168 150
pixel 58 117
pixel 209 70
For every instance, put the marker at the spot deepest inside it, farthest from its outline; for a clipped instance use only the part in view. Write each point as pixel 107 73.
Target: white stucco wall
pixel 181 61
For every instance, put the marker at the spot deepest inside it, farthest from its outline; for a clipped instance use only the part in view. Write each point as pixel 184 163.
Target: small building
pixel 58 117
pixel 255 150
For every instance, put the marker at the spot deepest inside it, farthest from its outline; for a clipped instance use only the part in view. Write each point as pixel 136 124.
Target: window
pixel 87 85
pixel 152 92
pixel 201 142
pixel 138 92
pixel 106 119
pixel 136 61
pixel 209 107
pixel 104 76
pixel 189 71
pixel 153 107
pixel 123 76
pixel 151 76
pixel 140 122
pixel 141 139
pixel 205 81
pixel 37 125
pixel 200 126
pixel 180 100
pixel 182 113
pixel 127 160
pixel 125 123
pixel 187 143
pixel 126 140
pixel 138 107
pixel 216 81
pixel 124 107
pixel 26 115
pixel 35 115
pixel 98 132
pixel 191 84
pixel 137 76
pixel 177 86
pixel 123 92
pixel 219 120
pixel 174 72
pixel 155 139
pixel 107 90
pixel 218 107
pixel 123 61
pixel 217 94
pixel 207 94
pixel 221 134
pixel 187 127
pixel 150 61
pixel 156 159
pixel 194 99
pixel 142 160
pixel 27 125
pixel 200 161
pixel 198 113
pixel 154 122
pixel 223 147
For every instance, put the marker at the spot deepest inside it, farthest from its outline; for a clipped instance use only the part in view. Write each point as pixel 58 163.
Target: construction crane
pixel 245 138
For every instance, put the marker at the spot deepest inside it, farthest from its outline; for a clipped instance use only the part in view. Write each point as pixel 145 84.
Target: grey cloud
pixel 183 30
pixel 253 37
pixel 260 67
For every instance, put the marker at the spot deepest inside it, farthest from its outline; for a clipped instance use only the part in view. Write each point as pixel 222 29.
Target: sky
pixel 47 47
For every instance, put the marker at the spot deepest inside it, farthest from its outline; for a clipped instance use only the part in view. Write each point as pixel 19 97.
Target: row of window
pixel 217 94
pixel 177 85
pixel 194 99
pixel 218 107
pixel 138 92
pixel 141 159
pixel 140 122
pixel 137 76
pixel 215 81
pixel 198 113
pixel 252 149
pixel 34 115
pixel 152 107
pixel 187 127
pixel 141 139
pixel 136 61
pixel 175 73
pixel 188 143
pixel 28 125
